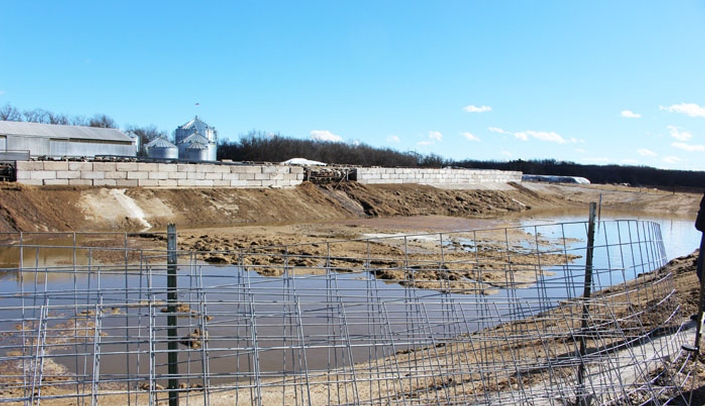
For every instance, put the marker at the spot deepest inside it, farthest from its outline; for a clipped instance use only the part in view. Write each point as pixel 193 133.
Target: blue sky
pixel 594 82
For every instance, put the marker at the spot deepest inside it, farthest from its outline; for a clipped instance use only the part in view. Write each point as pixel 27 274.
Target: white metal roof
pixel 62 131
pixel 160 142
pixel 195 137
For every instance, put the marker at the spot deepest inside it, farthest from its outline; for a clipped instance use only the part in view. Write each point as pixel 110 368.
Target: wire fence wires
pixel 479 317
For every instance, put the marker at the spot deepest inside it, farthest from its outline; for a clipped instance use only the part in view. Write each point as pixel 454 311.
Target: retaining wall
pixel 437 177
pixel 134 174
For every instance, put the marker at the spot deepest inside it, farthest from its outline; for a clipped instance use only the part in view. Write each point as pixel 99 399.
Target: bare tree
pixel 79 120
pixel 60 119
pixel 102 121
pixel 10 113
pixel 36 116
pixel 145 134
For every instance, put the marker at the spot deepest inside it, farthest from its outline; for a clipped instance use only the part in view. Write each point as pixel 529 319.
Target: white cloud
pixel 645 152
pixel 470 137
pixel 522 136
pixel 630 114
pixel 393 138
pixel 687 147
pixel 540 135
pixel 689 109
pixel 325 135
pixel 424 143
pixel 477 109
pixel 435 135
pixel 678 134
pixel 497 130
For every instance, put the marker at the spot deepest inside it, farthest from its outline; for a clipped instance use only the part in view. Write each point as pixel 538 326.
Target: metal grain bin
pixel 197 152
pixel 160 148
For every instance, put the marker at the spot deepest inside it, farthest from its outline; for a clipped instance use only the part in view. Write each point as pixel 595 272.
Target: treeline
pixel 258 146
pixel 11 113
pixel 617 174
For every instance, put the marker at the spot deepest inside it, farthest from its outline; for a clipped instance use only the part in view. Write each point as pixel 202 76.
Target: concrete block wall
pixel 436 177
pixel 134 174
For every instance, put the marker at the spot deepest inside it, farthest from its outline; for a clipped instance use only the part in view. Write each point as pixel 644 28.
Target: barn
pixel 63 141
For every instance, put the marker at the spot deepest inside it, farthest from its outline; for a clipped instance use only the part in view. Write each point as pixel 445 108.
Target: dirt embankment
pixel 26 208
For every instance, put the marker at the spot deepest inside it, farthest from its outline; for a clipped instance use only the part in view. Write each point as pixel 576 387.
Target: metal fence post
pixel 172 330
pixel 583 398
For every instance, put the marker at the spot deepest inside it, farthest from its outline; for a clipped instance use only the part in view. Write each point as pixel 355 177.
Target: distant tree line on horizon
pixel 259 146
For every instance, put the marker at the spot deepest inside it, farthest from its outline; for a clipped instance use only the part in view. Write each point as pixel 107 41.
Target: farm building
pixel 197 141
pixel 161 148
pixel 64 141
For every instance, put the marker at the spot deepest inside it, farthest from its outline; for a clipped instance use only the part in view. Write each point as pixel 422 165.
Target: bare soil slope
pixel 27 208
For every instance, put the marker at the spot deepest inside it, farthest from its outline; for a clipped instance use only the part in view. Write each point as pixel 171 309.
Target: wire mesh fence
pixel 468 317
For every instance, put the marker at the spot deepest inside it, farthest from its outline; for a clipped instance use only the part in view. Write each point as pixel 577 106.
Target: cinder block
pixel 157 175
pixel 68 174
pixel 114 175
pixel 43 174
pixel 49 182
pixel 195 175
pixel 246 169
pixel 186 168
pixel 92 175
pixel 30 165
pixel 81 182
pixel 148 182
pixel 238 183
pixel 56 165
pixel 80 166
pixel 21 175
pixel 137 175
pixel 220 168
pixel 105 166
pixel 147 167
pixel 126 166
pixel 104 182
pixel 176 175
pixel 127 182
pixel 31 181
pixel 168 183
pixel 214 175
pixel 196 183
pixel 167 167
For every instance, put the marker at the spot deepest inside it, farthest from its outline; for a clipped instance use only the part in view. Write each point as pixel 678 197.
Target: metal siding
pixel 87 149
pixel 36 145
pixel 163 153
pixel 193 154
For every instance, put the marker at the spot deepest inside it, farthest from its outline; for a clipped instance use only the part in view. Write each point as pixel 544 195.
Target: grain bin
pixel 160 148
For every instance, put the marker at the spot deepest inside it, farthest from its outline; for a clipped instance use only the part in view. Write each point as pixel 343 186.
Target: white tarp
pixel 302 162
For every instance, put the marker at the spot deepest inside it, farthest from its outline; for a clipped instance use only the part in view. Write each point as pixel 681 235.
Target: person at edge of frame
pixel 700 226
